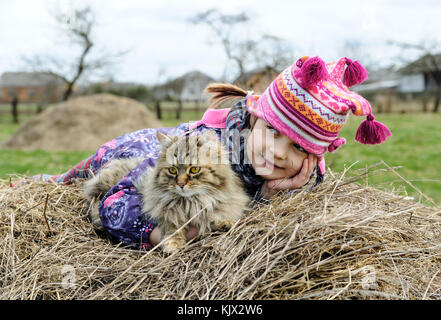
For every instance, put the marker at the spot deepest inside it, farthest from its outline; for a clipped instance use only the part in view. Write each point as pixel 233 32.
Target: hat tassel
pixel 336 143
pixel 311 72
pixel 354 74
pixel 371 131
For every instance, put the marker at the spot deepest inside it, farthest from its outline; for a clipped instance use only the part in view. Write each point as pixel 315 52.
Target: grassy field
pixel 415 145
pixel 169 118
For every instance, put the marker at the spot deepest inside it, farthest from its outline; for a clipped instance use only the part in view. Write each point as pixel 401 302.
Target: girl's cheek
pixel 297 162
pixel 256 144
pixel 251 147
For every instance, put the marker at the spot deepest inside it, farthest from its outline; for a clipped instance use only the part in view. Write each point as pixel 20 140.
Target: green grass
pixel 38 161
pixel 31 162
pixel 169 118
pixel 415 145
pixel 7 128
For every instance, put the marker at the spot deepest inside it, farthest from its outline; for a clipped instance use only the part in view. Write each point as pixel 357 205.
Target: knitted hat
pixel 309 102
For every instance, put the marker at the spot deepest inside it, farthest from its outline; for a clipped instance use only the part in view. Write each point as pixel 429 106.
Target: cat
pixel 192 179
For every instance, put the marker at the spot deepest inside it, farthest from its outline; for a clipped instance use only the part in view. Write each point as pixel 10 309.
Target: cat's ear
pixel 163 139
pixel 209 136
pixel 212 147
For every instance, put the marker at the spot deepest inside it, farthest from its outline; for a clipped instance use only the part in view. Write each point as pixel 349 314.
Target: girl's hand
pixel 271 187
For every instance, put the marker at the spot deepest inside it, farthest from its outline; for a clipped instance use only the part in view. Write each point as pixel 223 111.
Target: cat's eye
pixel 172 170
pixel 195 169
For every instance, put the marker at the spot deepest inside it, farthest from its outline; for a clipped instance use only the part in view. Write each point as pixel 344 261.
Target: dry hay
pixel 343 241
pixel 82 123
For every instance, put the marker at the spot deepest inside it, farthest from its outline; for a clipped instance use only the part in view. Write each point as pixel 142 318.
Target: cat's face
pixel 191 165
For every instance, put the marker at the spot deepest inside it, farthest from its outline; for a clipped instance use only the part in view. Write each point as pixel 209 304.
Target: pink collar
pixel 213 118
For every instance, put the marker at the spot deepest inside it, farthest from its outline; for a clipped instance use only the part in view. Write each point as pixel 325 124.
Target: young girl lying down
pixel 276 141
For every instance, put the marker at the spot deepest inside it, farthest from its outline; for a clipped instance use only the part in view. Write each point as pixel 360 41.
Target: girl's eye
pixel 195 169
pixel 172 170
pixel 273 130
pixel 299 148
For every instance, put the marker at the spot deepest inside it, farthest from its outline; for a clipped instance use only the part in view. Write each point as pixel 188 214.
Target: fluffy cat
pixel 192 179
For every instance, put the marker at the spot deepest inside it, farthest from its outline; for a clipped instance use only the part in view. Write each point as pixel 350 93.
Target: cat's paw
pixel 224 224
pixel 94 215
pixel 92 188
pixel 173 245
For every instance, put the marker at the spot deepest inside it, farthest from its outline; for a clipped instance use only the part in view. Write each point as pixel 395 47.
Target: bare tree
pixel 274 53
pixel 357 50
pixel 264 51
pixel 429 64
pixel 78 24
pixel 224 27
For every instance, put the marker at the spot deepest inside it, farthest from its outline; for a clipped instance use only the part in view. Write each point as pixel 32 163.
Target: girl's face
pixel 272 154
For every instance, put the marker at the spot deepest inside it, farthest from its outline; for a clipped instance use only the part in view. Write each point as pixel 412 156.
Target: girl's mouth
pixel 269 164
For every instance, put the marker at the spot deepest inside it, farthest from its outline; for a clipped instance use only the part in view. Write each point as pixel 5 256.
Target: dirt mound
pixel 83 123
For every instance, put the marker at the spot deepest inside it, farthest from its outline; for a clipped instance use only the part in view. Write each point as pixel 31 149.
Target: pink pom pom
pixel 336 143
pixel 354 74
pixel 312 71
pixel 371 131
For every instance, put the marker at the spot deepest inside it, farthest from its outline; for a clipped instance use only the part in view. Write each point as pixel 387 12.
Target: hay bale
pixel 342 241
pixel 82 123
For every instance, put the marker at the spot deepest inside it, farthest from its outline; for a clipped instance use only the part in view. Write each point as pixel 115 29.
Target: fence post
pixel 179 110
pixel 425 107
pixel 158 109
pixel 14 109
pixel 437 99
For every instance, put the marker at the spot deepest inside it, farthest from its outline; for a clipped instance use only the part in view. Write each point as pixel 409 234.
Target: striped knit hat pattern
pixel 310 101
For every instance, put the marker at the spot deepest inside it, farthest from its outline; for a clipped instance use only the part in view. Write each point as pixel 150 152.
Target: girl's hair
pixel 224 92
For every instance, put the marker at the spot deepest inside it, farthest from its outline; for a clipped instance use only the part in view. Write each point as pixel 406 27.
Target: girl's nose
pixel 281 147
pixel 280 153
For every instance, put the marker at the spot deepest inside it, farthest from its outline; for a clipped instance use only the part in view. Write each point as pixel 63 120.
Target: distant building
pixel 188 87
pixel 407 89
pixel 424 74
pixel 383 80
pixel 416 77
pixel 31 87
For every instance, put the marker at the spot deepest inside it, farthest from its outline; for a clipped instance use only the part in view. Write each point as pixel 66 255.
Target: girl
pixel 276 141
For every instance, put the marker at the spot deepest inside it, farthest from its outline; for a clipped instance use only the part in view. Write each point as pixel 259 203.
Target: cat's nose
pixel 181 185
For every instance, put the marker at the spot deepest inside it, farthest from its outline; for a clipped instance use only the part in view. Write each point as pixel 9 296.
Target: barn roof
pixel 28 79
pixel 426 63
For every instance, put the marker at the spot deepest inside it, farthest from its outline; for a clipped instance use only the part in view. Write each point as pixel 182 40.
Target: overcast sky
pixel 159 36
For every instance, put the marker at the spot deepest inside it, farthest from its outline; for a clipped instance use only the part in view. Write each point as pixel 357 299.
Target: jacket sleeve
pixel 122 217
